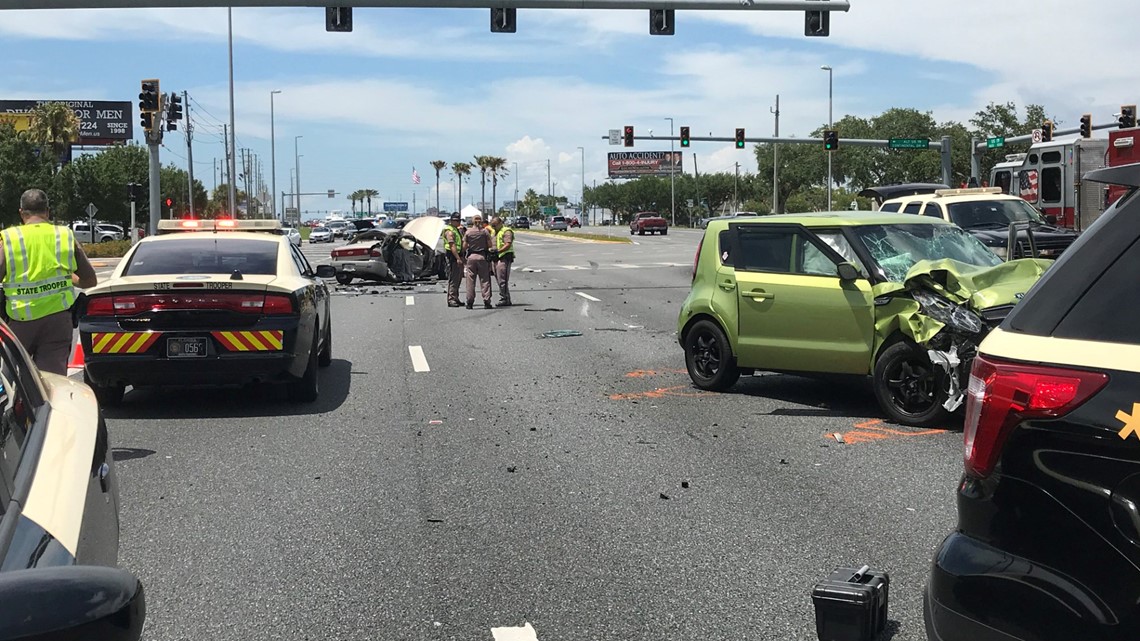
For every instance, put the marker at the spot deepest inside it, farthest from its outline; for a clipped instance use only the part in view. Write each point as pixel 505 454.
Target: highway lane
pixel 492 478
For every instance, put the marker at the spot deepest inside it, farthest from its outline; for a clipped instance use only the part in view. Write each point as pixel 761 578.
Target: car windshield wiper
pixel 993 225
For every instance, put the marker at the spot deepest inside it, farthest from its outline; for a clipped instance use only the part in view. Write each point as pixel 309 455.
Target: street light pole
pixel 297 166
pixel 672 183
pixel 273 158
pixel 233 135
pixel 516 188
pixel 830 125
pixel 582 198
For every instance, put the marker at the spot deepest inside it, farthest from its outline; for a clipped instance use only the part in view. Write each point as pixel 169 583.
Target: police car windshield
pixel 989 213
pixel 204 256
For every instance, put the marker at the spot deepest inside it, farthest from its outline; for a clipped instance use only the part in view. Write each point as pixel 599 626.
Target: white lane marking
pixel 419 361
pixel 672 264
pixel 588 297
pixel 522 633
pixel 572 267
pixel 409 300
pixel 625 266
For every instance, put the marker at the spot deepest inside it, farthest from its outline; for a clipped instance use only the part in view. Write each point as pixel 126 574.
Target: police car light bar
pixel 220 224
pixel 967 191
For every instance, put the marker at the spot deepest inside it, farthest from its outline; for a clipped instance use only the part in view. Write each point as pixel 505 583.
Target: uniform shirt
pixel 477 239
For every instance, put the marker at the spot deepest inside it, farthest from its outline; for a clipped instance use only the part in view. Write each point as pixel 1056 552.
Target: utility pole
pixel 549 189
pixel 232 134
pixel 776 162
pixel 672 183
pixel 226 169
pixel 697 179
pixel 735 184
pixel 189 150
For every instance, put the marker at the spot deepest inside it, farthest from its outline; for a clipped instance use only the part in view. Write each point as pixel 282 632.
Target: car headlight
pixel 948 313
pixel 1000 251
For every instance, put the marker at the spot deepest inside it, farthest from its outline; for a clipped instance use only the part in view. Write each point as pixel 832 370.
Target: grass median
pixel 574 235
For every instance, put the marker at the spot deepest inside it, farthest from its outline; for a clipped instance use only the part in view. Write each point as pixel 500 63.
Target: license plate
pixel 349 267
pixel 185 347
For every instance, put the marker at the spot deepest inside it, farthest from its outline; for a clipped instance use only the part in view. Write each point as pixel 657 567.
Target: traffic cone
pixel 76 361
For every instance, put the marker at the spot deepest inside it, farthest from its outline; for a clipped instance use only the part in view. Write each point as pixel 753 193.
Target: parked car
pixel 102 232
pixel 520 222
pixel 987 213
pixel 1047 544
pixel 648 221
pixel 393 256
pixel 574 222
pixel 904 300
pixel 320 235
pixel 557 223
pixel 292 234
pixel 59 501
pixel 338 227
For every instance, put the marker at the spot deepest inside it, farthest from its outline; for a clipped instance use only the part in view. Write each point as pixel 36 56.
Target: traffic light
pixel 169 202
pixel 684 136
pixel 1086 126
pixel 146 119
pixel 1047 131
pixel 817 23
pixel 629 135
pixel 148 96
pixel 173 112
pixel 830 140
pixel 1127 116
pixel 740 137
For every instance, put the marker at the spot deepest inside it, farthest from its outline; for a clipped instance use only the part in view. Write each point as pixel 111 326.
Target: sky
pixel 409 86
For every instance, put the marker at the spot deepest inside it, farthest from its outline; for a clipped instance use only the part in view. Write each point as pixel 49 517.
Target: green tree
pixel 802 167
pixel 461 171
pixel 530 202
pixel 1003 120
pixel 498 168
pixel 54 127
pixel 483 163
pixel 21 168
pixel 438 166
pixel 368 195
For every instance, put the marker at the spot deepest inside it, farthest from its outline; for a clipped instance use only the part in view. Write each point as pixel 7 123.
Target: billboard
pixel 101 122
pixel 634 164
pixel 395 206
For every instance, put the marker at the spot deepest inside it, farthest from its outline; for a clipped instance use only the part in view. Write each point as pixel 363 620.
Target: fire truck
pixel 1048 176
pixel 1123 149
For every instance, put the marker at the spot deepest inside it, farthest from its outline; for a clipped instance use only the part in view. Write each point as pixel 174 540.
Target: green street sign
pixel 549 211
pixel 909 143
pixel 995 142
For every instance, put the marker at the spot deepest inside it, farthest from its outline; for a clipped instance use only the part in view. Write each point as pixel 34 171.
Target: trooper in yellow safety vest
pixel 40 266
pixel 505 244
pixel 453 245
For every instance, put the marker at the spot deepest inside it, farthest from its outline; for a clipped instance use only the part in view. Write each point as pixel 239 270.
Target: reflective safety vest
pixel 458 239
pixel 510 253
pixel 39 260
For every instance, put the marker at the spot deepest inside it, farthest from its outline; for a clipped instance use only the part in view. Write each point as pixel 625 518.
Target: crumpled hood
pixel 979 287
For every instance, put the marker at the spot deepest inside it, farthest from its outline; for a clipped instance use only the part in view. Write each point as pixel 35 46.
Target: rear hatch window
pixel 204 256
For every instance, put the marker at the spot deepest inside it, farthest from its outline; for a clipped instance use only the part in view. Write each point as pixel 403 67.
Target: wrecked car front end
pixel 393 256
pixel 947 307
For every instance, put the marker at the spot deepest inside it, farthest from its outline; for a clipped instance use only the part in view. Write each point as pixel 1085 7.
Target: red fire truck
pixel 1123 149
pixel 1049 177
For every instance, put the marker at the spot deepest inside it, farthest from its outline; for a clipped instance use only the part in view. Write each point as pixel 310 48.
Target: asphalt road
pixel 578 485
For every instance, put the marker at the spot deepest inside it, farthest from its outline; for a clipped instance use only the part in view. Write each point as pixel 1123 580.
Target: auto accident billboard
pixel 101 122
pixel 634 164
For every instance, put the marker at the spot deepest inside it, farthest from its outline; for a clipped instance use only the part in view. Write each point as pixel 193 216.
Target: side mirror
pixel 326 271
pixel 71 602
pixel 847 271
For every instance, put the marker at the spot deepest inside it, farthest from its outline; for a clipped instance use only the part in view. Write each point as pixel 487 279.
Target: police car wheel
pixel 709 359
pixel 307 388
pixel 108 396
pixel 343 278
pixel 910 389
pixel 324 359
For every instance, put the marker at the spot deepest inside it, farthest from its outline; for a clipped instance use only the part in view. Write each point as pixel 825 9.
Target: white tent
pixel 470 211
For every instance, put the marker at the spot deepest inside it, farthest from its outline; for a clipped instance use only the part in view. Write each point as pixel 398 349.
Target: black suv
pixel 1048 538
pixel 521 222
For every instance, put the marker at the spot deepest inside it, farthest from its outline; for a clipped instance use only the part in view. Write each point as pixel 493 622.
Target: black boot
pixel 487 305
pixel 471 305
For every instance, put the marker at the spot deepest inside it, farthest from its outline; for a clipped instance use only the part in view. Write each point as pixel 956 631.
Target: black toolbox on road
pixel 851 604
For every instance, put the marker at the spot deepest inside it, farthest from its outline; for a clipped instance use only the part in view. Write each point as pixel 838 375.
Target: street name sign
pixel 909 143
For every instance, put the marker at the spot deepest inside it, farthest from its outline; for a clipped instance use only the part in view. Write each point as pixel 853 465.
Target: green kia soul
pixel 905 301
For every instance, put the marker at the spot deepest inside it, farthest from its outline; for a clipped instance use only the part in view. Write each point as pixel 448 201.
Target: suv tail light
pixel 1001 394
pixel 697 257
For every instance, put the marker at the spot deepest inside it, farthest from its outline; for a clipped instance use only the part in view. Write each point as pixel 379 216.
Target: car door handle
pixel 759 294
pixel 728 285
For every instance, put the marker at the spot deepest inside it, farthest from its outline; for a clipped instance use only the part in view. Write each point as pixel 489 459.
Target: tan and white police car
pixel 209 302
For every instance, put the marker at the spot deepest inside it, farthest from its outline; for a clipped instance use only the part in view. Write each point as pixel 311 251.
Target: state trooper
pixel 477 247
pixel 505 245
pixel 41 265
pixel 453 245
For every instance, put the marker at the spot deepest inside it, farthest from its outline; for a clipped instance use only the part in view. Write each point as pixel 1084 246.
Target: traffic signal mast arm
pixel 859 142
pixel 698 5
pixel 981 146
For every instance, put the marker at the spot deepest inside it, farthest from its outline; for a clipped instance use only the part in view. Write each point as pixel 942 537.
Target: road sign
pixel 549 211
pixel 393 206
pixel 995 142
pixel 92 210
pixel 1036 136
pixel 615 136
pixel 689 202
pixel 332 193
pixel 908 143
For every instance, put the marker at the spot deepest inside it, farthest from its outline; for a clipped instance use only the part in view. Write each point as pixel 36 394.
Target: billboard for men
pixel 101 122
pixel 634 164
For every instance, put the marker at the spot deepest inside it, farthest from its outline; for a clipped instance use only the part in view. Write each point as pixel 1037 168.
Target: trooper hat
pixel 454 216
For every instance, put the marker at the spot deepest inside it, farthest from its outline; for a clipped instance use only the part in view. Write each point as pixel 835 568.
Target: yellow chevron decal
pixel 260 341
pixel 122 342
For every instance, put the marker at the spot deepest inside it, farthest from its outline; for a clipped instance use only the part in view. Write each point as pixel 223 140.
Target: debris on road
pixel 783 461
pixel 838 437
pixel 610 329
pixel 435 422
pixel 435 520
pixel 664 496
pixel 544 309
pixel 512 469
pixel 560 333
pixel 685 484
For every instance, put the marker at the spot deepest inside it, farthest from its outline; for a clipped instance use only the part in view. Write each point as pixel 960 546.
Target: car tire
pixel 630 232
pixel 910 389
pixel 307 388
pixel 324 359
pixel 343 278
pixel 708 357
pixel 664 232
pixel 641 232
pixel 109 395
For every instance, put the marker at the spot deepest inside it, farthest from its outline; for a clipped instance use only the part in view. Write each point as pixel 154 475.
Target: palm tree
pixel 498 167
pixel 461 169
pixel 54 127
pixel 369 193
pixel 355 197
pixel 481 161
pixel 437 165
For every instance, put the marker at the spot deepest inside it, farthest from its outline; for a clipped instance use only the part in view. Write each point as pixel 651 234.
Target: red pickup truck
pixel 648 221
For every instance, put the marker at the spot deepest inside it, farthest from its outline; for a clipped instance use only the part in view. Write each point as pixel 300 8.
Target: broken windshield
pixel 992 213
pixel 896 248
